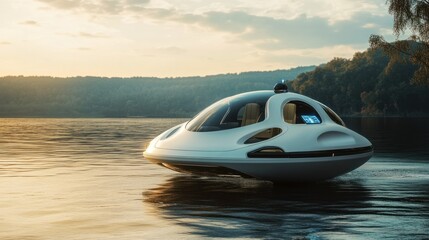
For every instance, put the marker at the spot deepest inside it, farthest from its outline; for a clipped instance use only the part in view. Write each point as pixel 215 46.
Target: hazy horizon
pixel 169 38
pixel 185 76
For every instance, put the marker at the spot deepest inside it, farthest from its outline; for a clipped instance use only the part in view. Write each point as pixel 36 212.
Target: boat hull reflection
pixel 219 207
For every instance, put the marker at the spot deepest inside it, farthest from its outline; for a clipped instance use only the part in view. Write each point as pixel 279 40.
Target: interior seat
pixel 289 113
pixel 251 114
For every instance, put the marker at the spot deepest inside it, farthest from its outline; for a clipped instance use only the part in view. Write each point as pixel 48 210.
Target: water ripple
pixel 86 179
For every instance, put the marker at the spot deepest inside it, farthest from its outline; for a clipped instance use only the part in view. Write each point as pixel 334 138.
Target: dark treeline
pixel 126 97
pixel 368 84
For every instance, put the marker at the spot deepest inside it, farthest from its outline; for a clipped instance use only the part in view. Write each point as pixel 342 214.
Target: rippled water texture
pixel 86 179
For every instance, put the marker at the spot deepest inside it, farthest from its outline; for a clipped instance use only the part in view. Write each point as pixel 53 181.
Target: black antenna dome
pixel 280 87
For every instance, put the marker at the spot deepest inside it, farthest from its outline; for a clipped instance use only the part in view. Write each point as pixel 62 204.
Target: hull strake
pixel 259 153
pixel 314 169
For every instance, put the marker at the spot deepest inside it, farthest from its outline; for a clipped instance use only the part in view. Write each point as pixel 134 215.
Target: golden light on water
pixel 87 179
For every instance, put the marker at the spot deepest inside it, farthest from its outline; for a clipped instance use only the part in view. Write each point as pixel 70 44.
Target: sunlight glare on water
pixel 87 179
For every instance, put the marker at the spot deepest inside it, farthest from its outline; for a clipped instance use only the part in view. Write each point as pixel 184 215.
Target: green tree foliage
pixel 409 15
pixel 126 97
pixel 368 84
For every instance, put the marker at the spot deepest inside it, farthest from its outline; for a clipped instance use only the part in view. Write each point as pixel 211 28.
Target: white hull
pixel 277 137
pixel 272 169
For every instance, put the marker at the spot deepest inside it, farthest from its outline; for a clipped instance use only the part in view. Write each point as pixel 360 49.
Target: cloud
pixel 272 34
pixel 310 55
pixel 98 6
pixel 91 35
pixel 369 25
pixel 171 50
pixel 63 4
pixel 262 31
pixel 85 35
pixel 30 23
pixel 334 11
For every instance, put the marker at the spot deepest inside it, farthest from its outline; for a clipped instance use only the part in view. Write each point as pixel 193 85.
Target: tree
pixel 410 15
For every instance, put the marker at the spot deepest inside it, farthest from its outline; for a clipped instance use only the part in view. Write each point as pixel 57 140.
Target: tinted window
pixel 237 111
pixel 297 112
pixel 333 116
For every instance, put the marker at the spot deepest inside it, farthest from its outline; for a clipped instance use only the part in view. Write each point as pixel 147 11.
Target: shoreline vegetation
pixel 368 85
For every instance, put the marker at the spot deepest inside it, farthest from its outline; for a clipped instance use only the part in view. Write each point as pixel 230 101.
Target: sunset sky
pixel 181 37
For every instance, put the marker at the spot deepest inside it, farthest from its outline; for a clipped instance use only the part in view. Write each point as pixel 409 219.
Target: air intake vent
pixel 266 152
pixel 264 135
pixel 171 133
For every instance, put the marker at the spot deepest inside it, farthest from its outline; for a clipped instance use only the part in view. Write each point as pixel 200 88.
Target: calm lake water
pixel 87 179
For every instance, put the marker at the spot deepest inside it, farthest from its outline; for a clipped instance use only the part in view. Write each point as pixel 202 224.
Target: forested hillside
pixel 127 97
pixel 368 84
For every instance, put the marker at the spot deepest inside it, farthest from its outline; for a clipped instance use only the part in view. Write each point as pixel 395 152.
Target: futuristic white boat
pixel 270 135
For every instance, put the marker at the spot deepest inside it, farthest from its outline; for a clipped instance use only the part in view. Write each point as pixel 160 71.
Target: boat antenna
pixel 280 87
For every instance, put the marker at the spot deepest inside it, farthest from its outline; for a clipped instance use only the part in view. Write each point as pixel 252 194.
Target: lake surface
pixel 87 179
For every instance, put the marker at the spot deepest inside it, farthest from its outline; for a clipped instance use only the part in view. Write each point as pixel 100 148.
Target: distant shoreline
pixel 171 117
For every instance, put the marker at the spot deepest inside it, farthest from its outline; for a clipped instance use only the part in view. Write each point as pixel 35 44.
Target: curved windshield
pixel 237 111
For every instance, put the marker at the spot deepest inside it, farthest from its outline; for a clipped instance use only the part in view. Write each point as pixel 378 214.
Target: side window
pixel 334 117
pixel 297 112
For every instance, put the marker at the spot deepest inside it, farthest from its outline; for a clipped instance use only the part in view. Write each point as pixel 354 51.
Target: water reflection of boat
pixel 270 135
pixel 216 207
